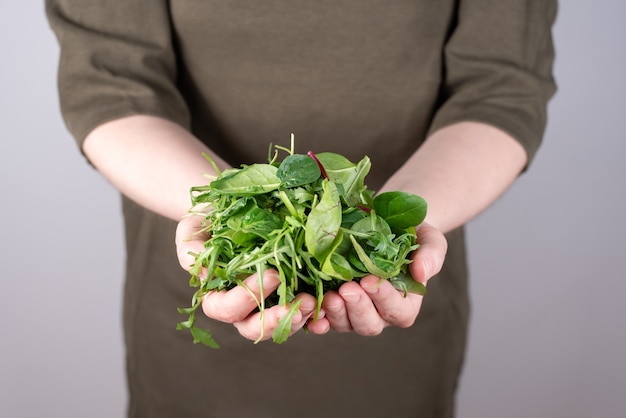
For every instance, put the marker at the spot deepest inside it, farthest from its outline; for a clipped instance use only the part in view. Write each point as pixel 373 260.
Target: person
pixel 448 98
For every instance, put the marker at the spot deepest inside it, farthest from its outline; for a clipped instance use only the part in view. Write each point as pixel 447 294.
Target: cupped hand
pixel 238 306
pixel 369 306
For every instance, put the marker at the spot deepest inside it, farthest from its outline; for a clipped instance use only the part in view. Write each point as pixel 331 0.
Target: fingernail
pixel 351 297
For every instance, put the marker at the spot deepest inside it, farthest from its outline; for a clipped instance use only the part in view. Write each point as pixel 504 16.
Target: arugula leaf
pixel 283 329
pixel 371 267
pixel 204 337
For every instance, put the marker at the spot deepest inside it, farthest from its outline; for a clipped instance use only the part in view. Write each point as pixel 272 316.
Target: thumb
pixel 190 238
pixel 428 259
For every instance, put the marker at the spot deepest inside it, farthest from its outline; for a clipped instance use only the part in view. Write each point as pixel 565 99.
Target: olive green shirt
pixel 354 77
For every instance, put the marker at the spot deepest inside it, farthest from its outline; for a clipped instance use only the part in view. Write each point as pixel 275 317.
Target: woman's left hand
pixel 369 306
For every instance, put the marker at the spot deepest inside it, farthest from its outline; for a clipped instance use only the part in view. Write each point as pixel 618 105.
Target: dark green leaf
pixel 401 210
pixel 350 216
pixel 255 223
pixel 298 170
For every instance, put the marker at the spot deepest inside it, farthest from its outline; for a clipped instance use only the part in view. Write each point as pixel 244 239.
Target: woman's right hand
pixel 238 306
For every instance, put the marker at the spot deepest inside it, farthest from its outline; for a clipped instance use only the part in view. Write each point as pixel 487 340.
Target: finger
pixel 362 313
pixel 307 310
pixel 428 259
pixel 336 315
pixel 189 238
pixel 318 326
pixel 260 326
pixel 238 303
pixel 393 306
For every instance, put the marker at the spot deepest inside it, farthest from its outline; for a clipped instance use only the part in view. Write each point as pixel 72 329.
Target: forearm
pixel 460 170
pixel 152 161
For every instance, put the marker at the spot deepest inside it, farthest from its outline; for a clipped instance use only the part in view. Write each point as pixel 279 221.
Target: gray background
pixel 547 260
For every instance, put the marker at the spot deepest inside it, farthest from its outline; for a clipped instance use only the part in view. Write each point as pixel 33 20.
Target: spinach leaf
pixel 401 210
pixel 250 180
pixel 298 170
pixel 253 224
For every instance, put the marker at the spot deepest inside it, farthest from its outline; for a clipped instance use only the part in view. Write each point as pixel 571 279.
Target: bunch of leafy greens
pixel 309 217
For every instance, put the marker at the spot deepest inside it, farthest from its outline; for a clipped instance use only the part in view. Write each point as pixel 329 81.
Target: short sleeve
pixel 498 68
pixel 116 59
